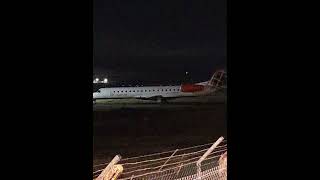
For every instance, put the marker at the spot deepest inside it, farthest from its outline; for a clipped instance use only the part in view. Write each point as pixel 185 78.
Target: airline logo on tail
pixel 217 81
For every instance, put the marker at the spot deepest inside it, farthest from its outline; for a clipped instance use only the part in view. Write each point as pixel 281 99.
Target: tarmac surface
pixel 185 102
pixel 139 127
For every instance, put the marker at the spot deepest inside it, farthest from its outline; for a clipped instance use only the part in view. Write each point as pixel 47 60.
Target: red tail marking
pixel 191 88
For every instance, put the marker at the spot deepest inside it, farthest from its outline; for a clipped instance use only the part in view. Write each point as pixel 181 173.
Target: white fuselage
pixel 143 92
pixel 162 92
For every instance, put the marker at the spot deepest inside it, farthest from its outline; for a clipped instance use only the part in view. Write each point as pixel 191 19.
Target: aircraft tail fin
pixel 218 80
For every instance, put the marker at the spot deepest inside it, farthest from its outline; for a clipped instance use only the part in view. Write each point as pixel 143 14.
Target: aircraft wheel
pixel 160 99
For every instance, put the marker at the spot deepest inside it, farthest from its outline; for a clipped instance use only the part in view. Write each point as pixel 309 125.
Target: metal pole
pixel 214 145
pixel 168 159
pixel 106 171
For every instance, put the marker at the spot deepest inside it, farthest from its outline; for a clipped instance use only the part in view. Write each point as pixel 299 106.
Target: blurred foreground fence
pixel 203 162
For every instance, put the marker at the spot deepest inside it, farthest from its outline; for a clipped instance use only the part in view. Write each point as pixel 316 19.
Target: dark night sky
pixel 156 40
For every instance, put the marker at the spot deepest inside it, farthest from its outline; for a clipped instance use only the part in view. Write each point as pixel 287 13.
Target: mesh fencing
pixel 174 164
